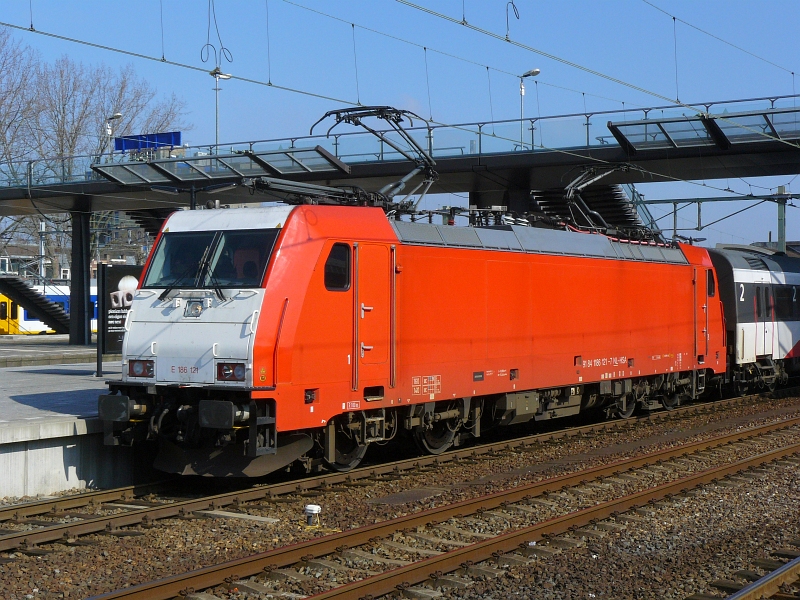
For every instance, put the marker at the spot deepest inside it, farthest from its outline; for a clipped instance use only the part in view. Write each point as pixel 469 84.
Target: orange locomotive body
pixel 367 328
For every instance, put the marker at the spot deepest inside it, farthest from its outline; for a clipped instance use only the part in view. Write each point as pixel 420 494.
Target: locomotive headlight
pixel 194 308
pixel 230 372
pixel 141 368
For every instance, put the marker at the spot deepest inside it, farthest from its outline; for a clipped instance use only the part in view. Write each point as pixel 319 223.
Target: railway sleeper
pixel 449 581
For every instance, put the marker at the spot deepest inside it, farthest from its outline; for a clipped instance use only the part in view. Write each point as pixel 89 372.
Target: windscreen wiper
pixel 176 283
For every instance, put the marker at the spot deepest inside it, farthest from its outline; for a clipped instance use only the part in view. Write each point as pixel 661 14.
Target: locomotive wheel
pixel 670 402
pixel 630 406
pixel 349 453
pixel 435 440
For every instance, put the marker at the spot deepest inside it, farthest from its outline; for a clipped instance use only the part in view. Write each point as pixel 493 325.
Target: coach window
pixel 758 302
pixel 769 306
pixel 783 303
pixel 711 286
pixel 337 269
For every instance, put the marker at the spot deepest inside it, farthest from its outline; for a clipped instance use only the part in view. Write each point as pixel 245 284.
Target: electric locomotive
pixel 262 337
pixel 300 334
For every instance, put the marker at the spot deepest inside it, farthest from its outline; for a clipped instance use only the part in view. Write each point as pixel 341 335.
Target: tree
pixel 52 113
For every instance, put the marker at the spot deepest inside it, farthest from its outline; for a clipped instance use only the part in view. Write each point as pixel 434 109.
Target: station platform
pixel 28 350
pixel 50 437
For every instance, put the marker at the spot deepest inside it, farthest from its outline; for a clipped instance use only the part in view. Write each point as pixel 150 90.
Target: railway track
pixel 769 585
pixel 450 542
pixel 59 520
pixel 750 585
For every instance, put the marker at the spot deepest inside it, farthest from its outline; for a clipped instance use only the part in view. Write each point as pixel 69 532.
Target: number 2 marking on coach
pixel 741 287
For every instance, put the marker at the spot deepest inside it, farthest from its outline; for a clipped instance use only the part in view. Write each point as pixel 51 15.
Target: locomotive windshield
pixel 208 259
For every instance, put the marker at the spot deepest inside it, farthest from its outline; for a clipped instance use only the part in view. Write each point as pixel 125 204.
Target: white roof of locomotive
pixel 265 217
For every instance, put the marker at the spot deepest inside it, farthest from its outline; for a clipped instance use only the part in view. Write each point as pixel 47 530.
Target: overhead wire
pixel 716 37
pixel 355 63
pixel 675 52
pixel 590 71
pixel 442 52
pixel 175 63
pixel 330 98
pixel 428 84
pixel 269 61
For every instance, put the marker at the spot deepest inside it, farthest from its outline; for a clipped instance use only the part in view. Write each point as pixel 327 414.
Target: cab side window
pixel 337 269
pixel 3 311
pixel 711 287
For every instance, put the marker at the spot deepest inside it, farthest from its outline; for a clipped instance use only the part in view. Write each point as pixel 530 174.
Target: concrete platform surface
pixel 28 350
pixel 41 402
pixel 50 437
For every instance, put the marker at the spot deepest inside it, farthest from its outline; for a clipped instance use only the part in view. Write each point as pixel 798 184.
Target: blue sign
pixel 147 141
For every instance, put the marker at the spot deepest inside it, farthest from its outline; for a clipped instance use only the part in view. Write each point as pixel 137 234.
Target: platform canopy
pixel 721 131
pixel 207 168
pixel 710 141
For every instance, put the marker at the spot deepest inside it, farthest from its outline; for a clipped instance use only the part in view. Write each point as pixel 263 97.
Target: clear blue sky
pixel 629 40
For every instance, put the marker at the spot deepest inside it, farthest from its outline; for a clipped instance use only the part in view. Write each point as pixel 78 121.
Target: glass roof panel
pixel 283 163
pixel 199 167
pixel 147 172
pixel 182 171
pixel 786 124
pixel 690 132
pixel 744 128
pixel 296 160
pixel 644 135
pixel 245 165
pixel 119 173
pixel 313 160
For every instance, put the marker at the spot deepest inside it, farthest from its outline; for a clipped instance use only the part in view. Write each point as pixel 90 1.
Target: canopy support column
pixel 80 318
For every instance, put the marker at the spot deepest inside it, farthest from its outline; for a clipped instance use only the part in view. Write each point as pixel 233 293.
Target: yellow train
pixel 15 320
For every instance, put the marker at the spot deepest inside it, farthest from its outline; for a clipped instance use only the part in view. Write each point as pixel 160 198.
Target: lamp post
pixel 110 127
pixel 531 73
pixel 217 75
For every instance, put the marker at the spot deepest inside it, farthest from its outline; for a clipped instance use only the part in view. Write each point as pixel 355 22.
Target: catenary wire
pixel 325 97
pixel 590 71
pixel 716 37
pixel 442 52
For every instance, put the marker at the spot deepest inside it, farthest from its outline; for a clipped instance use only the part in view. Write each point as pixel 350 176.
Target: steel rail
pixel 320 483
pixel 389 581
pixel 206 577
pixel 770 584
pixel 55 505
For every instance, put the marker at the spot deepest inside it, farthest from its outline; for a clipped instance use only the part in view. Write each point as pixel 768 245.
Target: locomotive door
pixel 700 314
pixel 372 316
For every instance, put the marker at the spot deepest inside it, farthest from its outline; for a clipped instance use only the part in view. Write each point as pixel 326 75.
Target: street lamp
pixel 531 73
pixel 217 75
pixel 110 128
